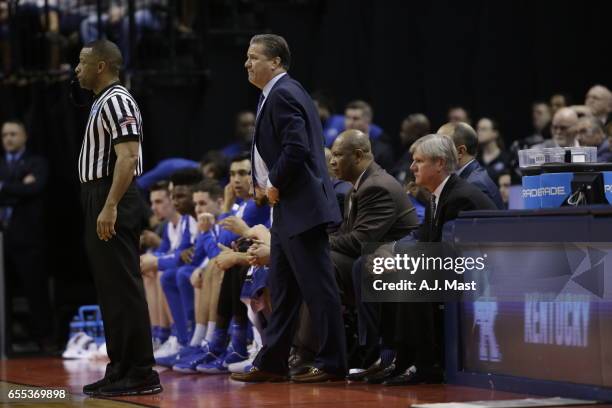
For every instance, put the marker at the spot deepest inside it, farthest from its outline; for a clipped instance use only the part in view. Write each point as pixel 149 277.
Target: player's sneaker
pixel 167 361
pixel 157 343
pixel 170 347
pixel 221 364
pixel 80 346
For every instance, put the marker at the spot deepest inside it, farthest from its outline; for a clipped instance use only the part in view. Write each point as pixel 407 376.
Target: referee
pixel 110 157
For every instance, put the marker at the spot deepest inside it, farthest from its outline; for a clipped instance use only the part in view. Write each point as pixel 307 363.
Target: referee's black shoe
pixel 132 386
pixel 91 389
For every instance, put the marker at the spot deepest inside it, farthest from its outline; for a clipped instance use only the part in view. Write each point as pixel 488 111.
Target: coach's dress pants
pixel 301 269
pixel 116 271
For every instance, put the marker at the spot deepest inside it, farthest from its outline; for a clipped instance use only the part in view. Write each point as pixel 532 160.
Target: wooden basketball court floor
pixel 218 391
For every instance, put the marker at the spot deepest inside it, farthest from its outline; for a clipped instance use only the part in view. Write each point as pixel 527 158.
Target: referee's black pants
pixel 116 270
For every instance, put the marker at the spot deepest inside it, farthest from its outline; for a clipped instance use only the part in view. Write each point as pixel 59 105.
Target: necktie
pixel 260 103
pixel 350 203
pixel 432 207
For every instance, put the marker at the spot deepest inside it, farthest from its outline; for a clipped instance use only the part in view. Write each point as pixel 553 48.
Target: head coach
pixel 289 167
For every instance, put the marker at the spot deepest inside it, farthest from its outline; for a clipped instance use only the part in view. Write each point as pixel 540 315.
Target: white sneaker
pixel 171 346
pixel 243 366
pixel 100 353
pixel 79 346
pixel 156 344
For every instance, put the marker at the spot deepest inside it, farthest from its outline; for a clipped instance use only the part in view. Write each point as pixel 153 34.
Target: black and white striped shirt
pixel 114 118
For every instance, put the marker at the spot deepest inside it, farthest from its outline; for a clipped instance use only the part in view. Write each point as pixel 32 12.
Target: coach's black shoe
pixel 382 375
pixel 92 389
pixel 132 386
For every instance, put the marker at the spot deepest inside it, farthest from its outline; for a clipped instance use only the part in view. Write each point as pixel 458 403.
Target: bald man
pixel 599 100
pixel 564 128
pixel 378 210
pixel 466 141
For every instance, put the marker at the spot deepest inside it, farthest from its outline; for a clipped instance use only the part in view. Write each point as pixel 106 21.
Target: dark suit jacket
pixel 475 174
pixel 380 212
pixel 289 138
pixel 457 195
pixel 26 223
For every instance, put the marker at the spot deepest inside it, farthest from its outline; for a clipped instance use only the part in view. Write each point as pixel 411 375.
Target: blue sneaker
pixel 187 352
pixel 171 360
pixel 221 364
pixel 168 361
pixel 188 366
pixel 216 366
pixel 210 358
pixel 232 356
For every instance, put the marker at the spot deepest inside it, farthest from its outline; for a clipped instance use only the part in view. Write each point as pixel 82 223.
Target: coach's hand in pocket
pixel 105 226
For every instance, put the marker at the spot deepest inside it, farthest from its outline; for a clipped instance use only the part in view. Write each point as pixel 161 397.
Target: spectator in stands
pixel 459 114
pixel 243 135
pixel 558 101
pixel 358 115
pixel 379 210
pixel 581 111
pixel 5 44
pixel 564 128
pixel 599 100
pixel 466 143
pixel 333 124
pixel 23 179
pixel 149 15
pixel 590 132
pixel 413 127
pixel 492 155
pixel 419 357
pixel 541 116
pixel 505 182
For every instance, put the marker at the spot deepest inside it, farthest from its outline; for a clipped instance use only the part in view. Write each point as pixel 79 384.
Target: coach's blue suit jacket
pixel 475 174
pixel 289 138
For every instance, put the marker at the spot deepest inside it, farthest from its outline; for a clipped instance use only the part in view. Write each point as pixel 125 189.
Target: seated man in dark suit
pixel 23 178
pixel 418 330
pixel 466 143
pixel 378 210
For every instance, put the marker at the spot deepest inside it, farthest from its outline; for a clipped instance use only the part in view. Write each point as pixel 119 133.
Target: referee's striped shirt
pixel 114 118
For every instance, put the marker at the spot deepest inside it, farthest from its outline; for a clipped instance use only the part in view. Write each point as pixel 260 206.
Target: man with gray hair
pixel 589 132
pixel 599 100
pixel 419 357
pixel 434 165
pixel 563 130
